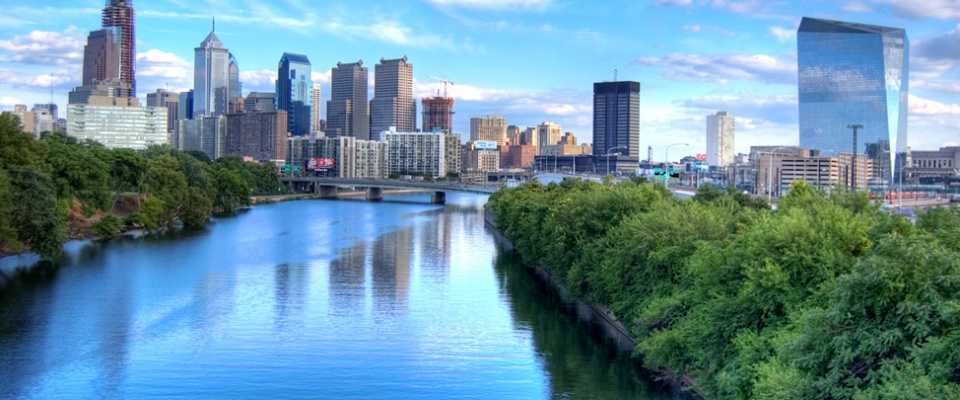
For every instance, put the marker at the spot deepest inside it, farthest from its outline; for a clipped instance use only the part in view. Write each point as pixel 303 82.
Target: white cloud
pixel 393 32
pixel 921 106
pixel 60 79
pixel 857 6
pixel 936 9
pixel 667 3
pixel 783 34
pixel 159 69
pixel 46 48
pixel 499 5
pixel 932 58
pixel 722 68
pixel 262 80
pixel 259 16
pixel 690 28
pixel 932 124
pixel 322 78
pixel 9 101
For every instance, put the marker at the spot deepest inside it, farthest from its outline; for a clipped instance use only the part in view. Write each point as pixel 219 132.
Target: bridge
pixel 329 188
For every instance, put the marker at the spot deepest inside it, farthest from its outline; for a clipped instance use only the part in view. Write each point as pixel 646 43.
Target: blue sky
pixel 527 60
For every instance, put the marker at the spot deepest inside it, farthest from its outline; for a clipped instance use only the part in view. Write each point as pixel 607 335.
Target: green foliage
pixel 108 226
pixel 826 298
pixel 19 148
pixel 148 216
pixel 35 212
pixel 199 156
pixel 8 233
pixel 78 173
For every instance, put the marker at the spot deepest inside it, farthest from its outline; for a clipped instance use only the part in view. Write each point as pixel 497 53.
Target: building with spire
pixel 348 110
pixel 118 16
pixel 295 92
pixel 211 77
pixel 393 103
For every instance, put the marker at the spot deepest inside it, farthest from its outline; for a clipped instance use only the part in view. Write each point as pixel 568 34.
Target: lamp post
pixel 608 156
pixel 900 195
pixel 769 169
pixel 666 161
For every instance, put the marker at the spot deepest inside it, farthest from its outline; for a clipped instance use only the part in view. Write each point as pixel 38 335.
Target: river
pixel 304 299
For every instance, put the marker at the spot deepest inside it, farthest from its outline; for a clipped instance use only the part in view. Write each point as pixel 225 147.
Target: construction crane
pixel 445 82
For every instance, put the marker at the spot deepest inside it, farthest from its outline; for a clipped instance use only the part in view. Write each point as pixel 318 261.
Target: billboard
pixel 319 164
pixel 701 157
pixel 485 145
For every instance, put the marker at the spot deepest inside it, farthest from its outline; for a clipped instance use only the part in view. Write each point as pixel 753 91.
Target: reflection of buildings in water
pixel 290 281
pixel 390 262
pixel 347 279
pixel 213 299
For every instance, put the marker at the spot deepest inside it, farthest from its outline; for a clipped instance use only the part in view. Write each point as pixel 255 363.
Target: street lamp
pixel 666 162
pixel 903 165
pixel 769 169
pixel 608 156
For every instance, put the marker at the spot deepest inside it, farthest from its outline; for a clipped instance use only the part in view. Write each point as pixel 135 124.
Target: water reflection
pixel 574 355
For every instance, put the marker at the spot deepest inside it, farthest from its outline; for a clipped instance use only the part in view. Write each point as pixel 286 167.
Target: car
pixel 955 198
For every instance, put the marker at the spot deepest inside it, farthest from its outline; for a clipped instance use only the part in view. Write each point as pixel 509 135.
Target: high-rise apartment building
pixel 616 118
pixel 118 16
pixel 348 110
pixel 393 103
pixel 529 136
pixel 720 137
pixel 316 116
pixel 295 92
pixel 260 101
pixel 211 77
pixel 852 74
pixel 118 126
pixel 259 135
pixel 548 134
pixel 491 128
pixel 424 153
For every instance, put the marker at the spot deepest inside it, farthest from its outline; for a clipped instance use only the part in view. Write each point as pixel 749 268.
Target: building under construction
pixel 118 14
pixel 437 113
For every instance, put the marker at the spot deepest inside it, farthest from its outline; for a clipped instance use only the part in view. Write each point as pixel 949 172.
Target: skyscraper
pixel 235 90
pixel 119 15
pixel 211 77
pixel 616 118
pixel 295 92
pixel 348 111
pixel 720 136
pixel 853 74
pixel 101 57
pixel 393 103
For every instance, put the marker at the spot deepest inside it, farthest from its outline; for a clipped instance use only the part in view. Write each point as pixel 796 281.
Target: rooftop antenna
pixel 214 28
pixel 614 75
pixel 51 93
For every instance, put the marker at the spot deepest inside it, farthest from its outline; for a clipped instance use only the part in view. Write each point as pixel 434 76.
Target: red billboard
pixel 701 157
pixel 319 164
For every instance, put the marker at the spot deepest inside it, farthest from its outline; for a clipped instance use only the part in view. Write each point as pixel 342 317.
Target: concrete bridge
pixel 329 188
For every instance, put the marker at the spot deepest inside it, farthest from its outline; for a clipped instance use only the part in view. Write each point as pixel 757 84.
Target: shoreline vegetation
pixel 57 188
pixel 828 297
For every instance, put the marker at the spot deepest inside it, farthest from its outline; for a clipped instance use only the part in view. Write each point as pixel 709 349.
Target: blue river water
pixel 305 299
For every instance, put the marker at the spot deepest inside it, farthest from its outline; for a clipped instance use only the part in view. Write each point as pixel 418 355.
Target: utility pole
pixel 853 174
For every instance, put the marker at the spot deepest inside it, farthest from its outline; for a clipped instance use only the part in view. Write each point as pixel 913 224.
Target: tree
pixel 232 190
pixel 78 173
pixel 164 181
pixel 35 213
pixel 20 148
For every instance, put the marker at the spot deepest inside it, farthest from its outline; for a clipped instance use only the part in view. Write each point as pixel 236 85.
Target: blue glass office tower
pixel 295 92
pixel 853 74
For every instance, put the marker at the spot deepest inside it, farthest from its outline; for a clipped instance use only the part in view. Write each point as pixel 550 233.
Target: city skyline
pixel 692 57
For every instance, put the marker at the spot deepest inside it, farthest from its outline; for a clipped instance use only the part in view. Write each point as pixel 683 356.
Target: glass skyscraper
pixel 295 92
pixel 211 77
pixel 853 74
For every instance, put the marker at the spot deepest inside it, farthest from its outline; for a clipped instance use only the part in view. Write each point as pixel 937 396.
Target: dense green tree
pixel 78 173
pixel 35 214
pixel 20 148
pixel 8 233
pixel 232 190
pixel 164 181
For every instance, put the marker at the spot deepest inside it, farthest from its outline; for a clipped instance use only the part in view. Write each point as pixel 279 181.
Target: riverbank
pixel 613 330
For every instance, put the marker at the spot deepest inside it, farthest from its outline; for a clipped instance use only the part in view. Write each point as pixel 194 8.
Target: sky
pixel 527 60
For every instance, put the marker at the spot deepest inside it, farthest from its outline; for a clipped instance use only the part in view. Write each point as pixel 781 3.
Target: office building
pixel 170 100
pixel 235 88
pixel 548 134
pixel 118 126
pixel 350 158
pixel 258 135
pixel 295 92
pixel 852 74
pixel 517 156
pixel 568 139
pixel 513 134
pixel 211 77
pixel 720 135
pixel 437 113
pixel 118 17
pixel 393 103
pixel 204 133
pixel 489 128
pixel 616 124
pixel 260 101
pixel 26 118
pixel 348 111
pixel 101 57
pixel 529 136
